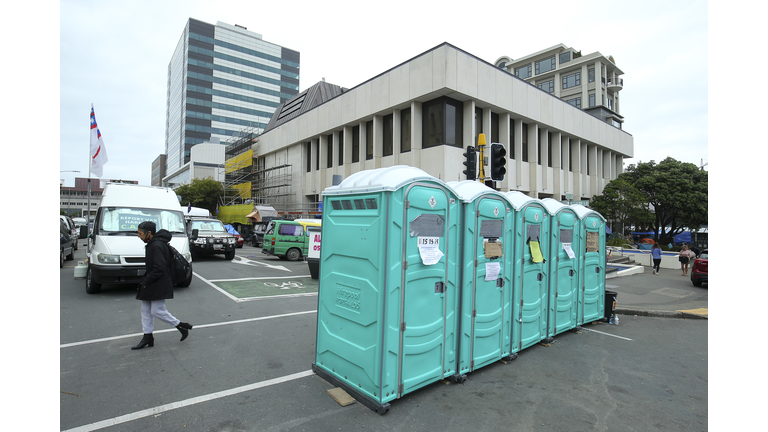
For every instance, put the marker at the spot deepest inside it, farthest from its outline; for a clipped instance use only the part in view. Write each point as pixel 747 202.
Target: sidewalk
pixel 667 294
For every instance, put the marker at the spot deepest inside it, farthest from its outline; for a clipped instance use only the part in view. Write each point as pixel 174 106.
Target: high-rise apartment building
pixel 221 79
pixel 590 82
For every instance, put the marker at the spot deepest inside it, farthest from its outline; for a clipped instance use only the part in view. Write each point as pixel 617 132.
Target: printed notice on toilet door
pixel 569 250
pixel 429 250
pixel 492 270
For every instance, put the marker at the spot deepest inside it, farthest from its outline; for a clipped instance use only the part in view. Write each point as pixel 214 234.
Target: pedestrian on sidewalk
pixel 656 254
pixel 684 257
pixel 157 285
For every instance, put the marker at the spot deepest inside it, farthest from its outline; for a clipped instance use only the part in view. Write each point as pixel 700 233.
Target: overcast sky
pixel 115 56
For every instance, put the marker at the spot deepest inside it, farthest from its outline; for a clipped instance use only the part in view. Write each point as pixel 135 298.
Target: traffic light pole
pixel 481 147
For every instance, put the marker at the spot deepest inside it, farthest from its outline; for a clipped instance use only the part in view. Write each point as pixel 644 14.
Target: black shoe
pixel 187 326
pixel 182 327
pixel 147 340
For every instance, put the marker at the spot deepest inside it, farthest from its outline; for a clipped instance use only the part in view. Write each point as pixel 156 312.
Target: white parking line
pixel 608 334
pixel 188 402
pixel 92 341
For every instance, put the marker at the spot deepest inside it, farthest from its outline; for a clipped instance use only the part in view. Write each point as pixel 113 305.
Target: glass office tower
pixel 221 79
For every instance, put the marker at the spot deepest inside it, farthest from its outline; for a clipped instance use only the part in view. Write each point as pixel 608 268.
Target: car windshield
pixel 116 220
pixel 703 255
pixel 208 226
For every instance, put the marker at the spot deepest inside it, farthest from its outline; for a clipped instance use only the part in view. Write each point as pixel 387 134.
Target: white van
pixel 115 252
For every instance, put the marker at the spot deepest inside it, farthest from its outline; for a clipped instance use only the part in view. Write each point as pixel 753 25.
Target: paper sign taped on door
pixel 593 240
pixel 493 249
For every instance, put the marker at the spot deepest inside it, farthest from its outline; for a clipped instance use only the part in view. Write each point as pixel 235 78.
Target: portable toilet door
pixel 564 267
pixel 530 268
pixel 387 297
pixel 485 299
pixel 430 238
pixel 592 296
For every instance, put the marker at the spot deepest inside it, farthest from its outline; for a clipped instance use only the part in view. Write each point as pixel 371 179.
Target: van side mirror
pixel 194 233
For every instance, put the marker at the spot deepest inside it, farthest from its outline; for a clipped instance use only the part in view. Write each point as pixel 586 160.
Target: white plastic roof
pixel 519 199
pixel 553 206
pixel 468 190
pixel 380 179
pixel 583 212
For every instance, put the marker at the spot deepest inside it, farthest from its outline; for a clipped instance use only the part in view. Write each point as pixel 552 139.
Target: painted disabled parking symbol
pixel 285 285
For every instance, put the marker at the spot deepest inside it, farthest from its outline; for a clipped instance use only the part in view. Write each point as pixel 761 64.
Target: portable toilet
pixel 529 264
pixel 486 279
pixel 564 267
pixel 388 289
pixel 591 298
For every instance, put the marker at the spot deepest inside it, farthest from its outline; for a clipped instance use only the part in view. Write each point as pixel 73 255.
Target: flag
pixel 189 207
pixel 98 151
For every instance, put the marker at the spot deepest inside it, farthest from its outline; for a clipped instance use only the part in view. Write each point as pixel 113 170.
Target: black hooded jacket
pixel 157 284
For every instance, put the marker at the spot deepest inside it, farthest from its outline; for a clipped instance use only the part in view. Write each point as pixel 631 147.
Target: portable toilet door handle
pixel 439 287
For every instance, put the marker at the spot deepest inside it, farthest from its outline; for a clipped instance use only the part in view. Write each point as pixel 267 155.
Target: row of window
pixel 235 96
pixel 293 75
pixel 359 204
pixel 226 82
pixel 441 124
pixel 226 107
pixel 230 120
pixel 243 50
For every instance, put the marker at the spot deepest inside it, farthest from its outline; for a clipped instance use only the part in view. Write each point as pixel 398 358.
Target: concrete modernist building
pixel 426 111
pixel 222 78
pixel 206 160
pixel 591 82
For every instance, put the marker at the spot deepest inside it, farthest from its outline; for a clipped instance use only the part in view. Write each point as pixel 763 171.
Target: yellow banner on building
pixel 243 189
pixel 239 162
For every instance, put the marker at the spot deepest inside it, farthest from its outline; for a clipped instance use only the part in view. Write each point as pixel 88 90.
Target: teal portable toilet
pixel 486 279
pixel 388 288
pixel 564 267
pixel 531 275
pixel 591 299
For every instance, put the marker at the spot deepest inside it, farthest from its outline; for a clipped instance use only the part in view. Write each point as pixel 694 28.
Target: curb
pixel 659 314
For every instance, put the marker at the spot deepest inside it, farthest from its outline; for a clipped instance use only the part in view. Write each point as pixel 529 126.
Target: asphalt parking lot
pixel 247 366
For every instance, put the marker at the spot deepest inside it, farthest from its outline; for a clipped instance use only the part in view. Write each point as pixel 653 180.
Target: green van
pixel 288 239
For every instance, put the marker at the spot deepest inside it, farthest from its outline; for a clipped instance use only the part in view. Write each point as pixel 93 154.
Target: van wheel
pixel 71 255
pixel 61 259
pixel 293 254
pixel 74 245
pixel 230 255
pixel 186 282
pixel 91 287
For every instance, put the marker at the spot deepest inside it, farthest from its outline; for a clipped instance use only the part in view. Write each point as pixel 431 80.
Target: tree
pixel 624 203
pixel 203 193
pixel 677 193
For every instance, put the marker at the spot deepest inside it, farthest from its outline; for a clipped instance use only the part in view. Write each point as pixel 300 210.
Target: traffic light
pixel 470 163
pixel 498 159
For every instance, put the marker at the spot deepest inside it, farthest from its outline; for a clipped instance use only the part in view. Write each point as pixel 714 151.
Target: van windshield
pixel 116 220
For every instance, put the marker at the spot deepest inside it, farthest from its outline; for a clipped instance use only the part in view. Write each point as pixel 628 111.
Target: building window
pixel 523 72
pixel 545 65
pixel 575 102
pixel 442 123
pixel 512 138
pixel 610 103
pixel 565 57
pixel 525 142
pixel 356 143
pixel 549 149
pixel 405 130
pixel 572 80
pixel 479 125
pixel 547 86
pixel 329 151
pixel 341 148
pixel 308 151
pixel 389 126
pixel 369 140
pixel 317 153
pixel 591 73
pixel 494 127
pixel 591 99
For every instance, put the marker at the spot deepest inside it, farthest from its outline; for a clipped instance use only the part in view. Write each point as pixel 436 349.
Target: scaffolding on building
pixel 248 181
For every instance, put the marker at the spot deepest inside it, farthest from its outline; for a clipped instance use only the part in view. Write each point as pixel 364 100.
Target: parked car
pixel 73 230
pixel 699 270
pixel 67 251
pixel 234 232
pixel 210 237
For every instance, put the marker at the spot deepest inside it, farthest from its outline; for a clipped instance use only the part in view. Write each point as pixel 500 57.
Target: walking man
pixel 157 285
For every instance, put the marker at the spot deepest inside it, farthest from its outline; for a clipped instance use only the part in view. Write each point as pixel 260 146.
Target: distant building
pixel 206 160
pixel 589 82
pixel 221 79
pixel 158 170
pixel 424 113
pixel 74 200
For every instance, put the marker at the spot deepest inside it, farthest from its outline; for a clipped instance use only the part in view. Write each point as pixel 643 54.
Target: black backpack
pixel 181 269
